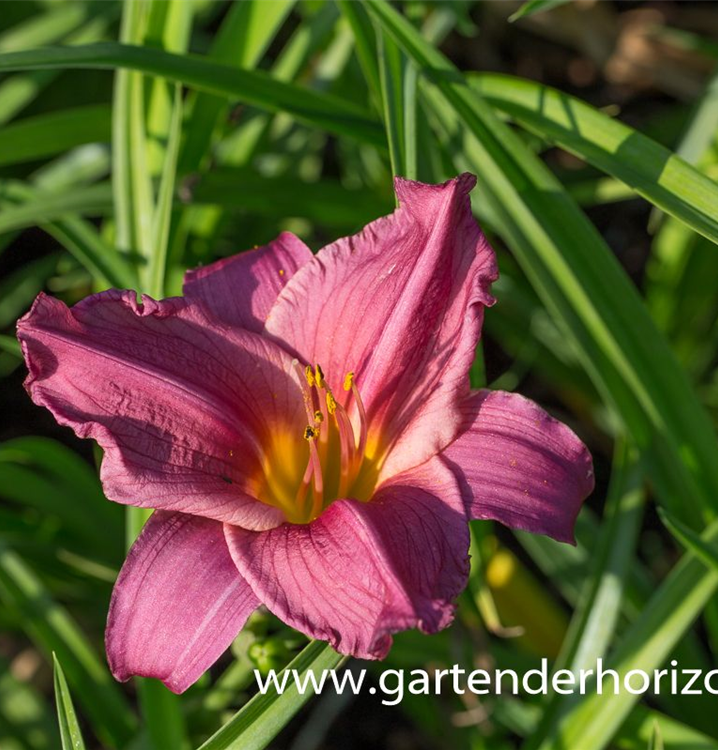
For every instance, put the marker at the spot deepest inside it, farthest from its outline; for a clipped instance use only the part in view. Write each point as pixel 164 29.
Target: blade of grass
pixel 169 27
pixel 53 212
pixel 366 44
pixel 255 725
pixel 324 202
pixel 45 207
pixel 42 474
pixel 533 7
pixel 70 733
pixel 250 86
pixel 653 171
pixel 17 91
pixel 241 41
pixel 398 88
pixel 54 133
pixel 132 189
pixel 10 345
pixel 163 211
pixel 689 539
pixel 44 28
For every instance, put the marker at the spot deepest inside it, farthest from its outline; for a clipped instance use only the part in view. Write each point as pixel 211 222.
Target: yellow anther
pixel 348 381
pixel 331 403
pixel 318 417
pixel 310 433
pixel 309 374
pixel 319 377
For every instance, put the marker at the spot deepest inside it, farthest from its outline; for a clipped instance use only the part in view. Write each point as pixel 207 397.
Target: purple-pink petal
pixel 520 466
pixel 178 602
pixel 240 290
pixel 181 404
pixel 401 305
pixel 363 571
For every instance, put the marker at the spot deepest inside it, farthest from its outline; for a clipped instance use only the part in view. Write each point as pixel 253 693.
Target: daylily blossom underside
pixel 304 428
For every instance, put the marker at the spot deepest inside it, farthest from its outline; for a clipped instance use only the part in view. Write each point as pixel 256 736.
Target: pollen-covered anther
pixel 318 417
pixel 319 376
pixel 310 433
pixel 331 403
pixel 309 375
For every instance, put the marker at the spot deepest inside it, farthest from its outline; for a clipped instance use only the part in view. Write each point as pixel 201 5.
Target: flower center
pixel 304 482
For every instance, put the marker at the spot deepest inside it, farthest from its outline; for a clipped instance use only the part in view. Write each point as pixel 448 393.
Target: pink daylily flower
pixel 304 427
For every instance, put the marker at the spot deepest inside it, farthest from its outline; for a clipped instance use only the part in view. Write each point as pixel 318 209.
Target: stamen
pixel 313 471
pixel 361 447
pixel 318 379
pixel 318 417
pixel 309 375
pixel 349 385
pixel 306 394
pixel 331 402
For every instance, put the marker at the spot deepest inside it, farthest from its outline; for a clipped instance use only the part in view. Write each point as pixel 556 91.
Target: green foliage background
pixel 141 138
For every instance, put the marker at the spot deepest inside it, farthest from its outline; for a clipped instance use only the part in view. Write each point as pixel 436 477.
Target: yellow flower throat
pixel 302 482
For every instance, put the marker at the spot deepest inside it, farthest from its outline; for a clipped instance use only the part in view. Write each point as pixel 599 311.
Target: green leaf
pixel 654 172
pixel 689 539
pixel 249 86
pixel 398 88
pixel 163 211
pixel 70 733
pixel 46 207
pixel 131 180
pixel 656 742
pixel 260 720
pixel 43 28
pixel 17 91
pixel 325 202
pixel 242 39
pixel 53 210
pixel 579 281
pixel 162 714
pixel 532 7
pixel 54 133
pixel 10 345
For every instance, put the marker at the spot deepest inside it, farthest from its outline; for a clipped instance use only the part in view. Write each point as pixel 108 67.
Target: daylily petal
pixel 520 466
pixel 240 290
pixel 363 571
pixel 181 404
pixel 178 603
pixel 401 305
